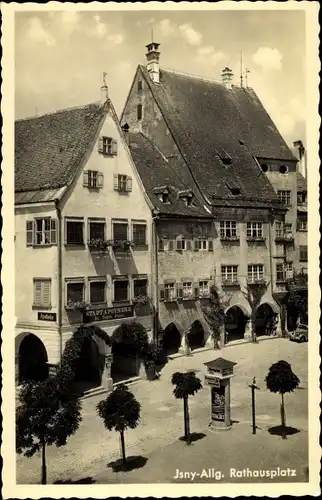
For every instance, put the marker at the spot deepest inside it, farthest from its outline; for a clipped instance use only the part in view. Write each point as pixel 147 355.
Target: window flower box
pixel 123 244
pixel 255 239
pixel 98 244
pixel 141 300
pixel 77 305
pixel 232 283
pixel 257 282
pixel 229 238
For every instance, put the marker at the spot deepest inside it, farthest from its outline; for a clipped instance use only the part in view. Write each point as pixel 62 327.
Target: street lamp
pixel 253 386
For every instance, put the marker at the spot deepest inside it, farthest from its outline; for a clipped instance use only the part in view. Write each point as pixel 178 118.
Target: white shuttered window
pixel 42 292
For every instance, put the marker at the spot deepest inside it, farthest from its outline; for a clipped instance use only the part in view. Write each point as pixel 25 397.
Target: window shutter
pixel 116 182
pixel 196 291
pixel 179 291
pixel 114 147
pixel 85 178
pixel 37 292
pixel 29 233
pixel 170 245
pixel 129 184
pixel 188 245
pixel 100 179
pixel 53 231
pixel 100 145
pixel 161 292
pixel 46 293
pixel 179 244
pixel 196 245
pixel 210 245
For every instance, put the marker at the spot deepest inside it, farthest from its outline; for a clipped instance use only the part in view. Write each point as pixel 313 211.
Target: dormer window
pixel 233 187
pixel 224 157
pixel 164 197
pixel 187 197
pixel 162 193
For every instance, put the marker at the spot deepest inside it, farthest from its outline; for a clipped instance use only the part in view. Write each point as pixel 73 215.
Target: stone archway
pixel 88 365
pixel 264 319
pixel 171 339
pixel 196 335
pixel 235 323
pixel 127 340
pixel 31 359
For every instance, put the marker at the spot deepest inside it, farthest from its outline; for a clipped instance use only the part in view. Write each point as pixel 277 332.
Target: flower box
pixel 229 238
pixel 141 300
pixel 230 283
pixel 98 244
pixel 260 282
pixel 77 305
pixel 255 239
pixel 123 244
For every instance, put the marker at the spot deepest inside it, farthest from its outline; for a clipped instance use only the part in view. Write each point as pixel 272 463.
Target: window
pixel 284 197
pixel 228 229
pixel 255 272
pixel 278 229
pixel 139 111
pixel 288 229
pixel 122 183
pixel 75 232
pixel 254 230
pixel 41 232
pixel 203 244
pixel 225 157
pixel 203 288
pixel 96 230
pixel 97 292
pixel 169 291
pixel 187 289
pixel 283 169
pixel 93 179
pixel 121 290
pixel 301 197
pixel 120 231
pixel 181 244
pixel 139 234
pixel 107 146
pixel 140 85
pixel 42 292
pixel 161 245
pixel 164 197
pixel 280 275
pixel 264 167
pixel 229 274
pixel 302 225
pixel 289 270
pixel 75 291
pixel 303 253
pixel 140 287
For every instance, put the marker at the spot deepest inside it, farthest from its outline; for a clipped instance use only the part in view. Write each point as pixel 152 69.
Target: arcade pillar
pixel 107 381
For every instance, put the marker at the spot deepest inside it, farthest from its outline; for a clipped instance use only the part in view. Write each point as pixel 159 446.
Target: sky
pixel 60 56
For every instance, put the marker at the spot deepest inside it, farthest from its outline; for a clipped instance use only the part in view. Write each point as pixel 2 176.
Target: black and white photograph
pixel 160 249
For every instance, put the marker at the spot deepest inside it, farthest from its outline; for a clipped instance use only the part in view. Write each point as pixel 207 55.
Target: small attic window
pixel 164 197
pixel 264 167
pixel 233 187
pixel 283 169
pixel 241 142
pixel 224 156
pixel 187 197
pixel 140 85
pixel 139 111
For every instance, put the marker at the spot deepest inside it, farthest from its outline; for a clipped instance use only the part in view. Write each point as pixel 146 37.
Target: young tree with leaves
pixel 254 293
pixel 214 314
pixel 120 411
pixel 186 384
pixel 48 414
pixel 281 379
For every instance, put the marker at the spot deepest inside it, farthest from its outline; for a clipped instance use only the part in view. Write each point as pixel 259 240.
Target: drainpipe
pixel 60 275
pixel 156 280
pixel 270 251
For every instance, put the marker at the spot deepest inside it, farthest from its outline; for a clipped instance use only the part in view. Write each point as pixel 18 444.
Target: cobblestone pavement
pixel 92 447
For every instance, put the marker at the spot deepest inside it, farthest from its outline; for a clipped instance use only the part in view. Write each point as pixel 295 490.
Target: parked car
pixel 300 334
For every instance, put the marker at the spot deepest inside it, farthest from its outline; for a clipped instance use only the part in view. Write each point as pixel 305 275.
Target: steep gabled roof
pixel 205 118
pixel 49 148
pixel 160 174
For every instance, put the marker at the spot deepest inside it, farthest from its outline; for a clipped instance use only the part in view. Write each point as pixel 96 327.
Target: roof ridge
pixel 62 110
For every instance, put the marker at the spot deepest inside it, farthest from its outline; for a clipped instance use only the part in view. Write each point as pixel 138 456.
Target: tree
pixel 120 411
pixel 186 384
pixel 214 314
pixel 132 334
pixel 280 378
pixel 48 414
pixel 254 293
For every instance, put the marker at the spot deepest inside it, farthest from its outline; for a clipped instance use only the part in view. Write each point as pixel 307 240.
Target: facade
pixel 79 209
pixel 201 130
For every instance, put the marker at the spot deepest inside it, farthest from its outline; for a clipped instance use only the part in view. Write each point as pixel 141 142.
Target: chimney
pixel 126 129
pixel 301 166
pixel 152 57
pixel 227 77
pixel 104 89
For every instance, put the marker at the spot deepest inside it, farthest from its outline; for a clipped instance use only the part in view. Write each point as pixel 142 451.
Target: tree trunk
pixel 123 446
pixel 43 464
pixel 186 419
pixel 283 416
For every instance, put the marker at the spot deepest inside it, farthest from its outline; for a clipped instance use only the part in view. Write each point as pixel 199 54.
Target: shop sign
pixel 45 316
pixel 107 313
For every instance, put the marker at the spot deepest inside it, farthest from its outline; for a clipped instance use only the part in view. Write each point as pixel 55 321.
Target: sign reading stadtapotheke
pixel 107 313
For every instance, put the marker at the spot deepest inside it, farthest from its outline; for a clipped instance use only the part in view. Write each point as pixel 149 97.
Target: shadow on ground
pixel 283 431
pixel 132 463
pixel 84 480
pixel 194 436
